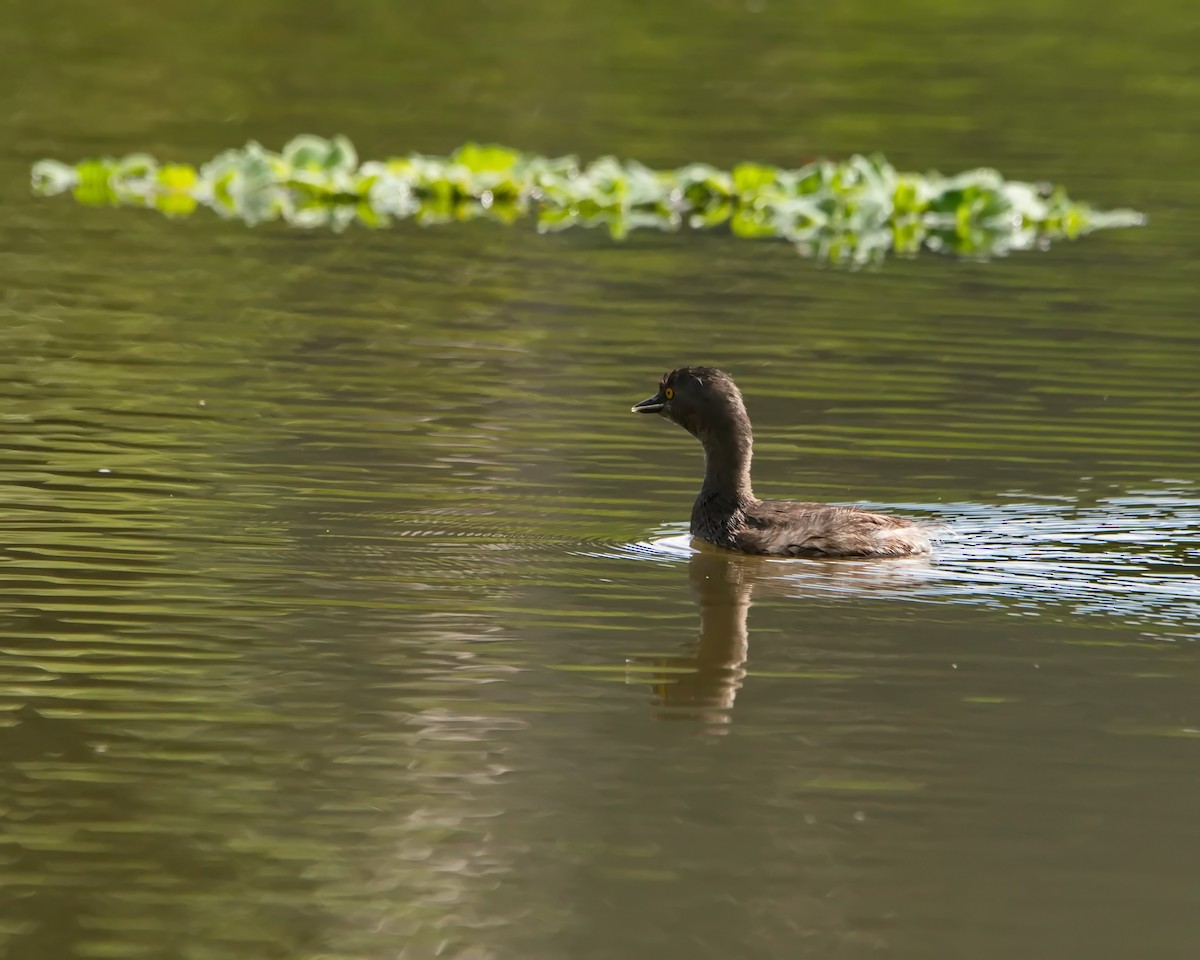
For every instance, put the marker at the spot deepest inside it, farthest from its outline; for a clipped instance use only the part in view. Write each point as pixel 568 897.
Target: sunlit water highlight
pixel 1133 558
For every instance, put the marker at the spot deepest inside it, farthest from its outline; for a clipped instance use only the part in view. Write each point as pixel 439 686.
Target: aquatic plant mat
pixel 854 211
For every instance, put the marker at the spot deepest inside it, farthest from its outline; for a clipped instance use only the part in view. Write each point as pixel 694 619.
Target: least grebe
pixel 708 405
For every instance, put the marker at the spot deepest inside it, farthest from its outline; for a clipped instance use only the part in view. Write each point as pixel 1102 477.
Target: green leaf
pixel 175 205
pixel 177 178
pixel 51 177
pixel 749 224
pixel 342 157
pixel 906 198
pixel 486 159
pixel 135 167
pixel 306 152
pixel 750 179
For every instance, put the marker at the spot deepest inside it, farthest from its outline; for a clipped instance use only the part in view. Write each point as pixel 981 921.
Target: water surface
pixel 346 612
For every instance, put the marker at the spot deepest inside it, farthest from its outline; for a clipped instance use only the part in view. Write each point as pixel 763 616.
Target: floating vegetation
pixel 854 211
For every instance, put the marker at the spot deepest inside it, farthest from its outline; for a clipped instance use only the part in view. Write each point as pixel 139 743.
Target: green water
pixel 345 611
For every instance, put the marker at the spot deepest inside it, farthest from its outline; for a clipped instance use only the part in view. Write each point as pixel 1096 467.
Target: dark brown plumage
pixel 706 403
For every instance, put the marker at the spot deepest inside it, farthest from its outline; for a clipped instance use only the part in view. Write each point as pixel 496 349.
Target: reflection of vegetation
pixel 855 210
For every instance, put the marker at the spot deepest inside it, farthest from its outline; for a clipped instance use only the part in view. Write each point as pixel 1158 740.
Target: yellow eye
pixel 669 393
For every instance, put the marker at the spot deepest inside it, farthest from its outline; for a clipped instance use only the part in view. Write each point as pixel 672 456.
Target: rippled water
pixel 346 612
pixel 1132 558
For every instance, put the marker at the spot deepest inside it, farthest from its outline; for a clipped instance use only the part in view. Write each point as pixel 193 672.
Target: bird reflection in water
pixel 704 684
